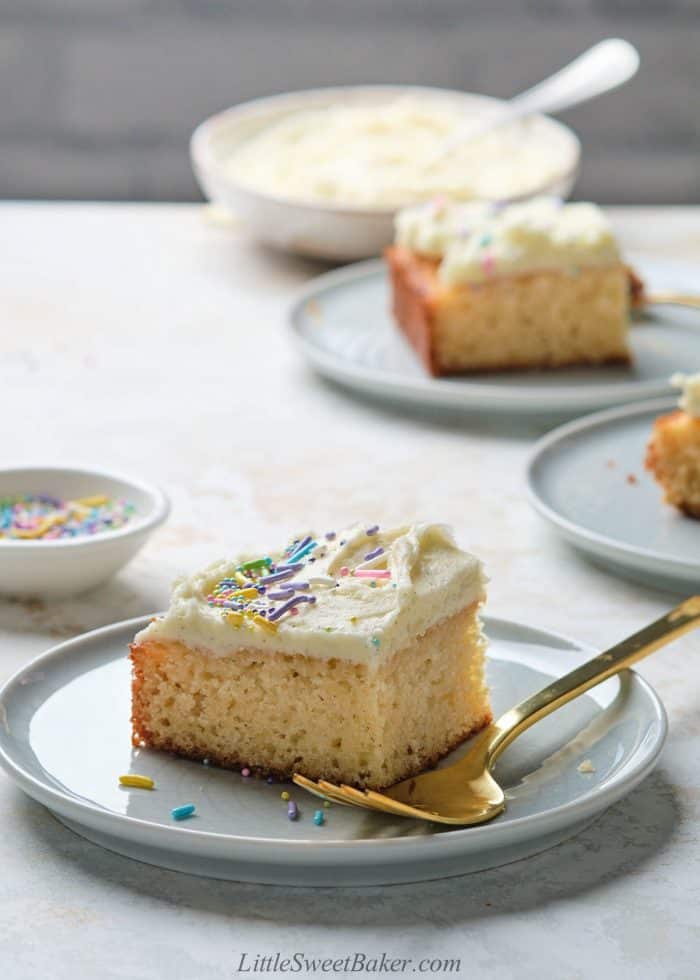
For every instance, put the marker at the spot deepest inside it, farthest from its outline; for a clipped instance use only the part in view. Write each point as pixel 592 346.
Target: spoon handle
pixel 605 66
pixel 675 623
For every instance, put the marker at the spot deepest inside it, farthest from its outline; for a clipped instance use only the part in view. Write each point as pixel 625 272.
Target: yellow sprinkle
pixel 241 579
pixel 97 501
pixel 246 594
pixel 42 527
pixel 140 782
pixel 326 803
pixel 235 618
pixel 285 795
pixel 265 623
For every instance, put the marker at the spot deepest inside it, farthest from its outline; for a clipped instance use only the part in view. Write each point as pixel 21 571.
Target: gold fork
pixel 670 298
pixel 466 792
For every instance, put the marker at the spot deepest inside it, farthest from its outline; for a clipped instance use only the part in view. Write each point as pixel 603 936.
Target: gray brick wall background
pixel 98 97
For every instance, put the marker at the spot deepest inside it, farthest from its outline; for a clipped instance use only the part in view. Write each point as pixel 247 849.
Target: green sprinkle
pixel 375 641
pixel 486 240
pixel 328 629
pixel 256 563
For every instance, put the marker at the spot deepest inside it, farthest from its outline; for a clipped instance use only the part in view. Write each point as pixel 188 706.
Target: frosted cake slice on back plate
pixel 356 657
pixel 478 287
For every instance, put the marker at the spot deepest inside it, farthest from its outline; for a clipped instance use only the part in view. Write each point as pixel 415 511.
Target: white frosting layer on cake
pixel 479 243
pixel 383 155
pixel 690 393
pixel 432 228
pixel 352 619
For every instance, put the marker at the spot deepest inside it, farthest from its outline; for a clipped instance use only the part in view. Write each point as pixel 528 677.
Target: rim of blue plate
pixel 570 528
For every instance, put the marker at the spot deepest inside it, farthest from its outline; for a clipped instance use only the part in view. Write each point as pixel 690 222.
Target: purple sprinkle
pixel 330 536
pixel 287 594
pixel 281 610
pixel 287 566
pixel 374 554
pixel 292 810
pixel 270 779
pixel 302 544
pixel 303 552
pixel 298 586
pixel 278 576
pixel 372 530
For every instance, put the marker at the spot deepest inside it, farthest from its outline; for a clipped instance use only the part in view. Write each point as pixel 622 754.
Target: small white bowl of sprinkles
pixel 64 530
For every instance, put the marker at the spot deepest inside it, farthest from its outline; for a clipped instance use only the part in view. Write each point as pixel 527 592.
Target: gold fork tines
pixel 350 796
pixel 345 795
pixel 311 786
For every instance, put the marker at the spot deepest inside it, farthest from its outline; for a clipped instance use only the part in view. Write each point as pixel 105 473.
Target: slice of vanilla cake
pixel 355 656
pixel 478 287
pixel 673 452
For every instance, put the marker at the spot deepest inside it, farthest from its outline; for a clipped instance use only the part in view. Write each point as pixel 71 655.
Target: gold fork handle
pixel 672 299
pixel 682 619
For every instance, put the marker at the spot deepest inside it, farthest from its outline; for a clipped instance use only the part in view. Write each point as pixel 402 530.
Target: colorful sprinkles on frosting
pixel 262 592
pixel 488 265
pixel 44 517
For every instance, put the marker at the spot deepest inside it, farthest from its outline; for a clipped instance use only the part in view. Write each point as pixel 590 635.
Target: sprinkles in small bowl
pixel 45 517
pixel 67 529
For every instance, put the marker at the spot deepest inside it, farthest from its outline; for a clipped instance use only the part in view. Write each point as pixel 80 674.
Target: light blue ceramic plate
pixel 65 739
pixel 588 480
pixel 344 326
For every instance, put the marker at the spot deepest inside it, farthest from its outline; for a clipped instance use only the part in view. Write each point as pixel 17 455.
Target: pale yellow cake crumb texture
pixel 673 456
pixel 280 713
pixel 586 766
pixel 543 319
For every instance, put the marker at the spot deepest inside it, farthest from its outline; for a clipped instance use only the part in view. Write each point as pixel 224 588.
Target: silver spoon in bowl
pixel 603 67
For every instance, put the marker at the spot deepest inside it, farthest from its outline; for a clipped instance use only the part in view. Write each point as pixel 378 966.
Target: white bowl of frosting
pixel 323 172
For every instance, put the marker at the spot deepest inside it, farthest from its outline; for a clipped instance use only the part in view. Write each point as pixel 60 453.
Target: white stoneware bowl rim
pixel 141 524
pixel 206 160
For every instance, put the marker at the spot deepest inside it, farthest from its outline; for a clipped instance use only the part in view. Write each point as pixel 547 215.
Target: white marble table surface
pixel 149 339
